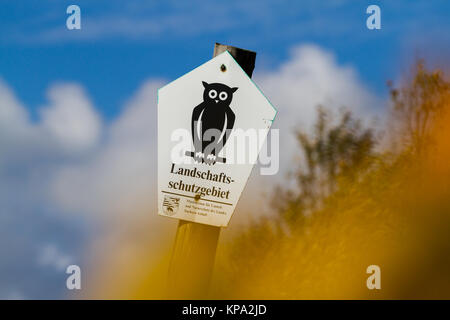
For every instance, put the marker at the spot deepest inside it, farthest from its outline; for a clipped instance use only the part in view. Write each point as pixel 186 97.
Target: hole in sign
pixel 223 68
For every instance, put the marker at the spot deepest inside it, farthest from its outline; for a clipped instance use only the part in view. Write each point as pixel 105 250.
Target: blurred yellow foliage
pixel 354 208
pixel 395 214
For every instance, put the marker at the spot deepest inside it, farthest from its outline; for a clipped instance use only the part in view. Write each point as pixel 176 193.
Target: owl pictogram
pixel 212 122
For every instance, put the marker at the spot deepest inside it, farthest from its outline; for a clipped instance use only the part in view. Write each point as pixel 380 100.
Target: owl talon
pixel 199 157
pixel 210 159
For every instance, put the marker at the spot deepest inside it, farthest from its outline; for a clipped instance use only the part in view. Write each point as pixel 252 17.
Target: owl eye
pixel 212 94
pixel 223 96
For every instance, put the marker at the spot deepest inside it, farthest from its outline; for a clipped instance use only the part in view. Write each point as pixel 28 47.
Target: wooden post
pixel 195 244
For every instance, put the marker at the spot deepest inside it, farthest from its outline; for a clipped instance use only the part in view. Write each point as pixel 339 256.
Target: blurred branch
pixel 333 149
pixel 418 103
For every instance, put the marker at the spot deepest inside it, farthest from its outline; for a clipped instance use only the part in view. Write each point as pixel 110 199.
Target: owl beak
pixel 216 100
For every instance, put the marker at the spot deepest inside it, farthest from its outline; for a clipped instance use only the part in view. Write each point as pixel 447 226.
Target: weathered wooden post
pixel 195 244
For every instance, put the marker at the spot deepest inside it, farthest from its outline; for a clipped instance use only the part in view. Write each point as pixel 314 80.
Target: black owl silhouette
pixel 212 122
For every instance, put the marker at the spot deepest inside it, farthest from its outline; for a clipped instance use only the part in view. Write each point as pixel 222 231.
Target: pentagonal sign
pixel 212 123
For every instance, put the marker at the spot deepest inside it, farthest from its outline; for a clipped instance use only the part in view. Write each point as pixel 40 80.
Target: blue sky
pixel 85 163
pixel 122 43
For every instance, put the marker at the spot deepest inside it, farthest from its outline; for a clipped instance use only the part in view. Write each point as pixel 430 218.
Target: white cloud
pixel 11 112
pixel 310 77
pixel 15 128
pixel 51 256
pixel 70 118
pixel 30 153
pixel 120 176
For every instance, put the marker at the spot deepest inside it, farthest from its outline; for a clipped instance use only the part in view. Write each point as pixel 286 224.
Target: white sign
pixel 212 123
